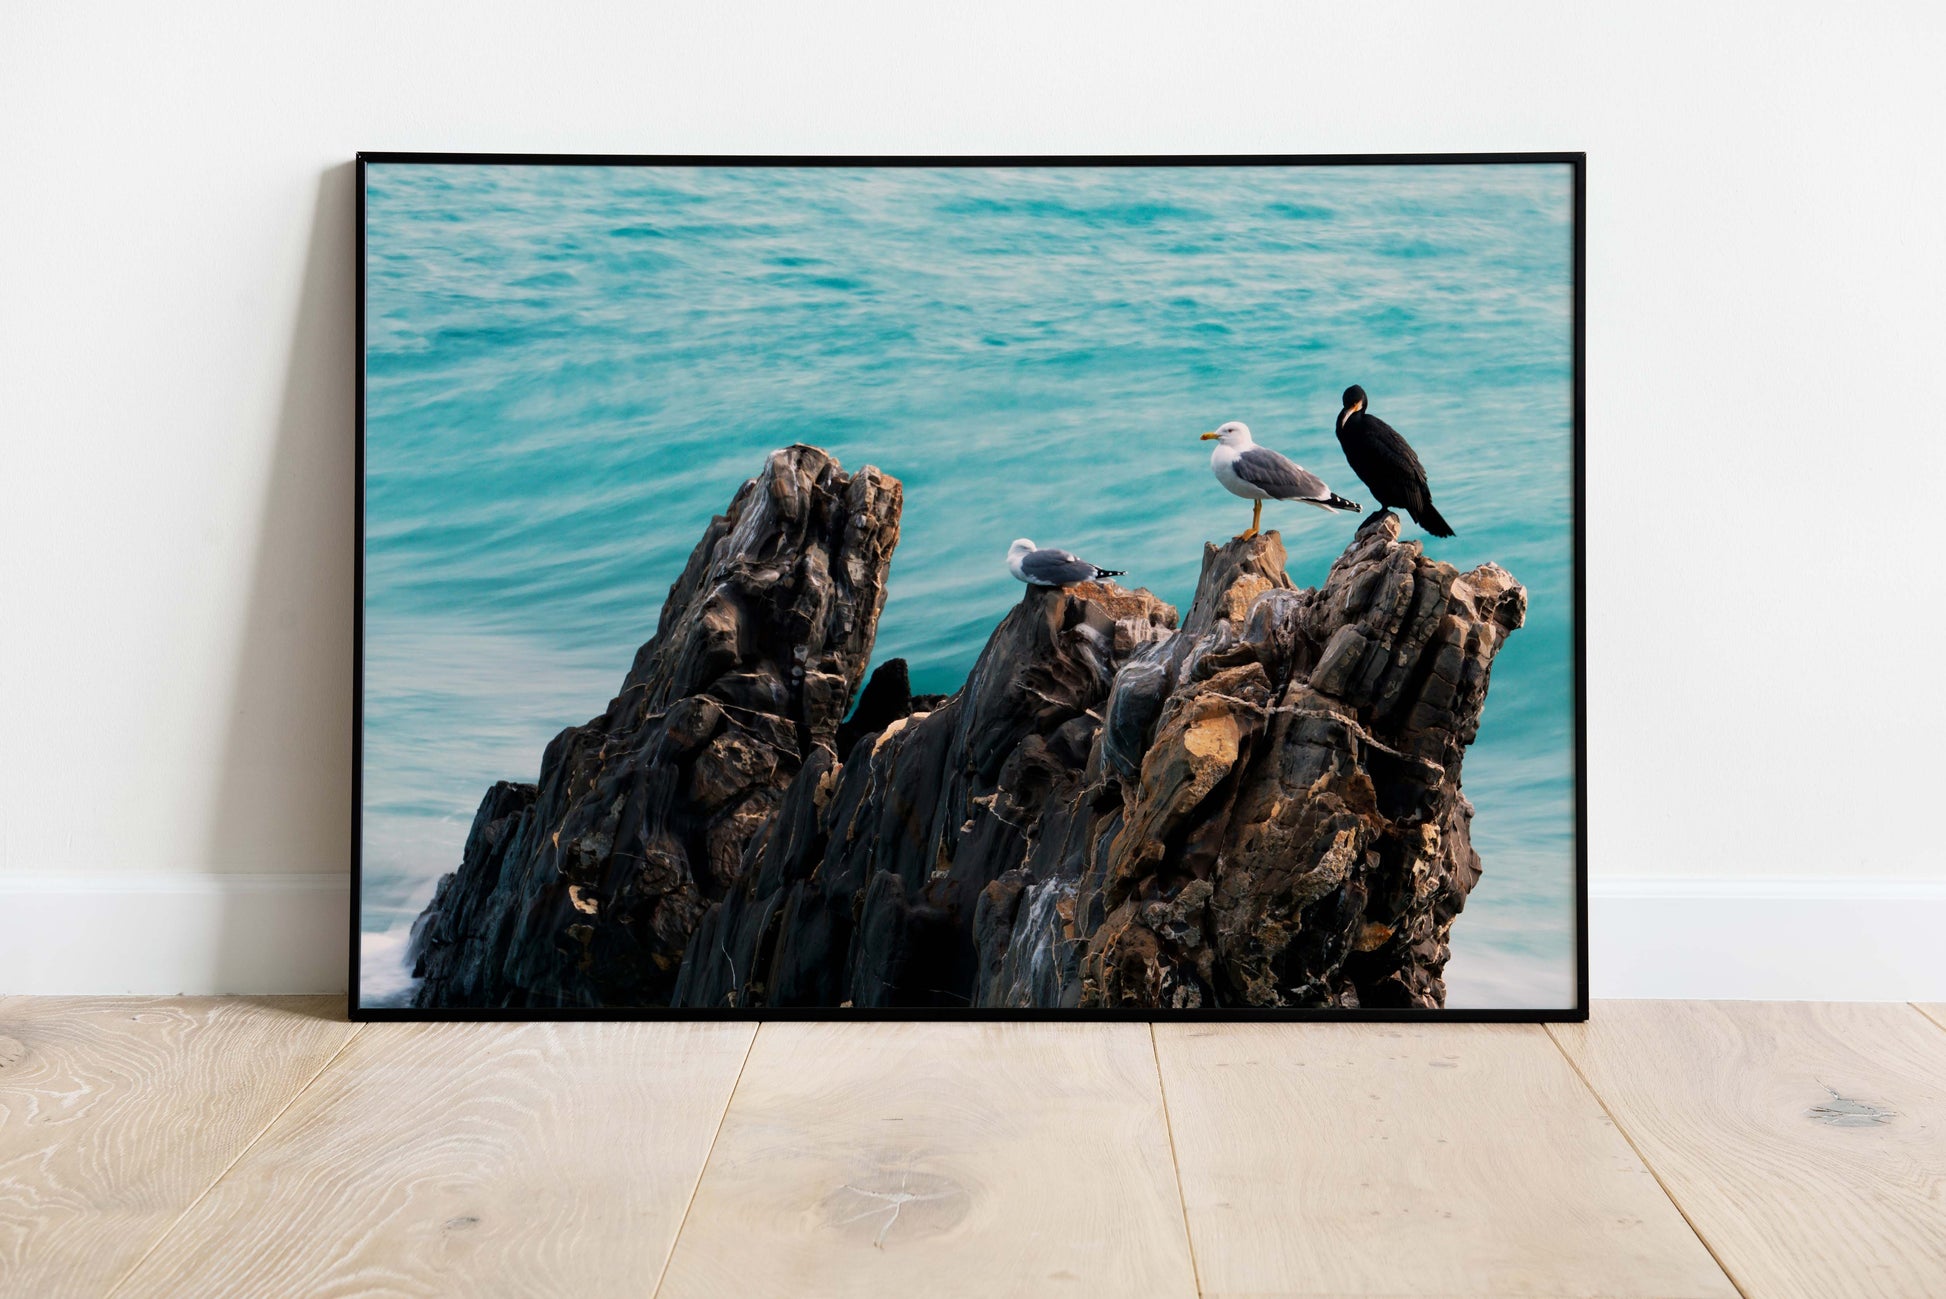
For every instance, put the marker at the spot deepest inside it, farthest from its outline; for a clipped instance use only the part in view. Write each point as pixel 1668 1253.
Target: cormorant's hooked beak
pixel 1206 437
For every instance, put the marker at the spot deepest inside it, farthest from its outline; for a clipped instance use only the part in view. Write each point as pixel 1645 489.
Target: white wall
pixel 175 360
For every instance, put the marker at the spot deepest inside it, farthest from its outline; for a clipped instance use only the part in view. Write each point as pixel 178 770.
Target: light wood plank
pixel 1423 1160
pixel 117 1112
pixel 467 1159
pixel 1806 1141
pixel 1936 1013
pixel 939 1159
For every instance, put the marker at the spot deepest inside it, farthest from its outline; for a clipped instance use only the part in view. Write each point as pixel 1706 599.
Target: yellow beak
pixel 1206 437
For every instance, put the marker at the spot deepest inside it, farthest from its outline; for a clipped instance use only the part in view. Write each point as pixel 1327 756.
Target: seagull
pixel 1257 472
pixel 1377 454
pixel 1038 567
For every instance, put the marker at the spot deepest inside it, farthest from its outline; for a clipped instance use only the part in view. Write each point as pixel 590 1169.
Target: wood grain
pixel 1806 1141
pixel 942 1160
pixel 467 1159
pixel 1426 1160
pixel 116 1113
pixel 1936 1013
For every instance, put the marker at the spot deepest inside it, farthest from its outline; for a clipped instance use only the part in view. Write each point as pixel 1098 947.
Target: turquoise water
pixel 569 369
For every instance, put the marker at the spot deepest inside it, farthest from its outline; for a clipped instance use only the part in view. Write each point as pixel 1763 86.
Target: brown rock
pixel 1321 856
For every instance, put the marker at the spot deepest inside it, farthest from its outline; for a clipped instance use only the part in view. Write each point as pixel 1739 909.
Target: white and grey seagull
pixel 1048 567
pixel 1255 472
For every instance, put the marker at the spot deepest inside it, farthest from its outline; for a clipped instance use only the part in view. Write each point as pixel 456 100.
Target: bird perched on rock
pixel 1038 567
pixel 1257 473
pixel 1377 454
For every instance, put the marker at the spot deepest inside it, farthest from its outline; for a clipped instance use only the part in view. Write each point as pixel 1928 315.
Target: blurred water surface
pixel 570 369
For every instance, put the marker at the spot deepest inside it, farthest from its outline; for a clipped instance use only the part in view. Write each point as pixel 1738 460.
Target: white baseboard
pixel 1767 939
pixel 193 934
pixel 1778 939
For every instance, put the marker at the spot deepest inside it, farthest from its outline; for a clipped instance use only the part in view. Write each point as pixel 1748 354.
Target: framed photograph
pixel 970 587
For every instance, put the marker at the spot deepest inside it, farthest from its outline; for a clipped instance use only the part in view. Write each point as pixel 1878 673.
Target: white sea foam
pixel 384 977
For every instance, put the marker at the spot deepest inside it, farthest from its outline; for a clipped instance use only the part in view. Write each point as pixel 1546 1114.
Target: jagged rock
pixel 1263 808
pixel 585 888
pixel 1296 833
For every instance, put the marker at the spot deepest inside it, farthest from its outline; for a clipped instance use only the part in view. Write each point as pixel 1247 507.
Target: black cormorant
pixel 1377 454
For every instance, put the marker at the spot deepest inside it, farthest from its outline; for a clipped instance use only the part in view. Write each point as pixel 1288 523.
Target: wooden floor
pixel 1681 1150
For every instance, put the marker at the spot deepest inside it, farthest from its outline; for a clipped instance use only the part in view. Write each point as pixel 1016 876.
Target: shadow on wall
pixel 283 794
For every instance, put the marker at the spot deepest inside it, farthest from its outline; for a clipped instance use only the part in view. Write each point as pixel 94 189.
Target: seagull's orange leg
pixel 1256 521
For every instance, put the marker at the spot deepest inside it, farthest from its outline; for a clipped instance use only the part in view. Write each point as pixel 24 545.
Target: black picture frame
pixel 1576 160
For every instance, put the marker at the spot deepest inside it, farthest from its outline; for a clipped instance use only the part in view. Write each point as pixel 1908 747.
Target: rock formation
pixel 1261 808
pixel 584 889
pixel 1290 829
